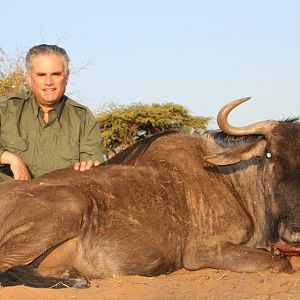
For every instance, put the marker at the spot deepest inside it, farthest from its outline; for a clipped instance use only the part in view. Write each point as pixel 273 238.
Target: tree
pixel 121 126
pixel 12 74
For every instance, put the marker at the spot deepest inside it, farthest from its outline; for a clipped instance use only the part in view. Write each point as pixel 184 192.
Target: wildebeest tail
pixel 24 275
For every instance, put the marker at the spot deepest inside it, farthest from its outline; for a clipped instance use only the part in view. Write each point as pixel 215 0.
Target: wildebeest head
pixel 279 150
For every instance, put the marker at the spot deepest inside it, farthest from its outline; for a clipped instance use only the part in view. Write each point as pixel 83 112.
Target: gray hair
pixel 45 49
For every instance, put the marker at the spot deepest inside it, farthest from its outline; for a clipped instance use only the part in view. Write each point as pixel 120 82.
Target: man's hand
pixel 16 165
pixel 86 165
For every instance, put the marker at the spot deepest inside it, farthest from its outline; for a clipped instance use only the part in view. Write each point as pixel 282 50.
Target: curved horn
pixel 262 127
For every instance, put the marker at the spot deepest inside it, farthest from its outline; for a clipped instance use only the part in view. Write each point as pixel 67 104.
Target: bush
pixel 12 75
pixel 120 125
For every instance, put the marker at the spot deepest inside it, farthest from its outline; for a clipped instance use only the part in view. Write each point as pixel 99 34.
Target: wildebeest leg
pixel 39 224
pixel 61 263
pixel 228 256
pixel 56 274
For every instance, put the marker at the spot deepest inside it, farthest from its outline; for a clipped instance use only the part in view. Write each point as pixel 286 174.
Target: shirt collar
pixel 36 108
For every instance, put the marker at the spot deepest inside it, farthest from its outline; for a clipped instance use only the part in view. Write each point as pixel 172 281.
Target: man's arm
pixel 16 165
pixel 90 144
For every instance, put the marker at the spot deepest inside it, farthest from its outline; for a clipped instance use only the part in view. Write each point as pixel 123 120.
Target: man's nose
pixel 49 80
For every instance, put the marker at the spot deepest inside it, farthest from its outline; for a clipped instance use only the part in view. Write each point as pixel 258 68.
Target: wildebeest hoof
pixel 282 265
pixel 78 283
pixel 66 275
pixel 73 278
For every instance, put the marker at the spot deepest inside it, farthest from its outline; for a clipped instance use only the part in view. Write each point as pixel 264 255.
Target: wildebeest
pixel 222 200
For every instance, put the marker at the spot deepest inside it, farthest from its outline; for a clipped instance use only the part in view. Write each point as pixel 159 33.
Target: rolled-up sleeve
pixel 90 139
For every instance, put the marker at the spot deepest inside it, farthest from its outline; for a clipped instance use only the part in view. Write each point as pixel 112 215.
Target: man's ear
pixel 234 155
pixel 67 77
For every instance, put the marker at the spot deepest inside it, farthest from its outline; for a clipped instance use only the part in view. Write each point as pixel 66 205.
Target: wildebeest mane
pixel 291 120
pixel 227 141
pixel 132 152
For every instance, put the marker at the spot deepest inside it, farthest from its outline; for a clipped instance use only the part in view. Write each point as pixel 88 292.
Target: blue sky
pixel 200 54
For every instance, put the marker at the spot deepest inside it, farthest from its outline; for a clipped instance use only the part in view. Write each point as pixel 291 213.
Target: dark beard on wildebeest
pixel 173 200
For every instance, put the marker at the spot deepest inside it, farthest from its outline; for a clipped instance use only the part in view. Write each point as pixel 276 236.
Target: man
pixel 45 130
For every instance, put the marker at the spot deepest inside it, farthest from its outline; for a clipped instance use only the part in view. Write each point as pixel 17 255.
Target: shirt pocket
pixel 14 144
pixel 68 147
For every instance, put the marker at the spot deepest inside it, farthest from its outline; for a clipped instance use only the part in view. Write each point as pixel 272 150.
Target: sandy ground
pixel 202 284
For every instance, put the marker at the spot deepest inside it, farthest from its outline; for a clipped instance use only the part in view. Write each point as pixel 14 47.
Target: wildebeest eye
pixel 268 155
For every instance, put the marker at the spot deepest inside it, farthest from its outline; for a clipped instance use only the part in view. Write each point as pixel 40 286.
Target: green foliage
pixel 121 125
pixel 12 75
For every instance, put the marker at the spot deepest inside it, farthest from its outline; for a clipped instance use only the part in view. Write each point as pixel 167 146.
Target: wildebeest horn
pixel 262 127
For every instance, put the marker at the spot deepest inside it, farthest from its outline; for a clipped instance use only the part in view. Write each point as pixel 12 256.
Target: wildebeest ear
pixel 234 155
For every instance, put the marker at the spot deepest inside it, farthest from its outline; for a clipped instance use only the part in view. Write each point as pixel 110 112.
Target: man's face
pixel 48 79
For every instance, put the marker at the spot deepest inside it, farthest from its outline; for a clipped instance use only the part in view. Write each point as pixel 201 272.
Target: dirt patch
pixel 202 284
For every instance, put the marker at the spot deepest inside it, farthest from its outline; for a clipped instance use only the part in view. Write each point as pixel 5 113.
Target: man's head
pixel 47 73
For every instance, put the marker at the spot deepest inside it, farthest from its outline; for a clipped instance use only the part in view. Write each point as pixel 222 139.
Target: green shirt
pixel 71 135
